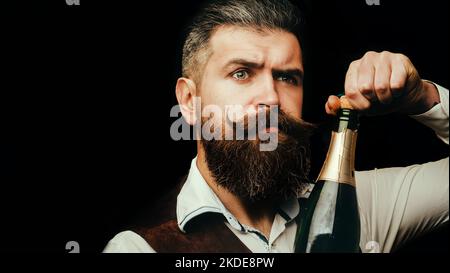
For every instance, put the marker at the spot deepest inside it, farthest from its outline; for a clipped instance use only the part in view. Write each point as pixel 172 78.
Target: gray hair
pixel 257 14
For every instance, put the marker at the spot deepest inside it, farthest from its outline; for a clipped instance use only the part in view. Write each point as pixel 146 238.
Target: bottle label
pixel 339 163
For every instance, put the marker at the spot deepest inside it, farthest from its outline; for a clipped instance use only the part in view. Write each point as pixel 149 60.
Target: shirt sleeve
pixel 398 204
pixel 437 117
pixel 128 242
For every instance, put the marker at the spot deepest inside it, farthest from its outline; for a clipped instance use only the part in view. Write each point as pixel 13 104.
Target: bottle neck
pixel 339 163
pixel 347 119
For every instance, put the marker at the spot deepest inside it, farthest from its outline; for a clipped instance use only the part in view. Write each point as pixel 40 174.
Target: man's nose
pixel 267 94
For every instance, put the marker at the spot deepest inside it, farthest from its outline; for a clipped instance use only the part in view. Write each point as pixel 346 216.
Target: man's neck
pixel 259 215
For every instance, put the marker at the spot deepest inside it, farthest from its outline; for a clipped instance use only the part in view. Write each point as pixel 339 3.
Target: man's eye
pixel 290 80
pixel 240 75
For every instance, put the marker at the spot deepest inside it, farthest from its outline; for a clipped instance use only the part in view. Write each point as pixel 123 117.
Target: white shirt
pixel 395 204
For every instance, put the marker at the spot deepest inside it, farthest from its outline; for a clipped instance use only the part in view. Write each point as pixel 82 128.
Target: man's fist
pixel 380 83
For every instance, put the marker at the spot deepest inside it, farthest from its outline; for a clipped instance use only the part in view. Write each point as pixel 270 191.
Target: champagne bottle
pixel 329 218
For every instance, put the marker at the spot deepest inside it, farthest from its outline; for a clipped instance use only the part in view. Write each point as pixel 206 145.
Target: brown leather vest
pixel 206 233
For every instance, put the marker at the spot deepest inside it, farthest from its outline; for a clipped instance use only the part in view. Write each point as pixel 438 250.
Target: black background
pixel 87 90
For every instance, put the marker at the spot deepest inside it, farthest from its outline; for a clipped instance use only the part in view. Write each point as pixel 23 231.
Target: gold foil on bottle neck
pixel 339 165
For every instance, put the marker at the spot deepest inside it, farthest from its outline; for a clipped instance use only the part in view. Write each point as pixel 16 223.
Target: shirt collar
pixel 196 197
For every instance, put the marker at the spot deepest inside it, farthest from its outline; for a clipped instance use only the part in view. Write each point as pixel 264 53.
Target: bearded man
pixel 238 197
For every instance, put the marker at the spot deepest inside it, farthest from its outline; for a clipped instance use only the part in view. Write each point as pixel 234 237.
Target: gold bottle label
pixel 339 165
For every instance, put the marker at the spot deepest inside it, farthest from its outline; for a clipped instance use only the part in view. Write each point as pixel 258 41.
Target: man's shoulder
pixel 128 242
pixel 149 218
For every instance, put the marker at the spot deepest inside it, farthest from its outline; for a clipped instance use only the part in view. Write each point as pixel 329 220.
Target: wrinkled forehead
pixel 274 48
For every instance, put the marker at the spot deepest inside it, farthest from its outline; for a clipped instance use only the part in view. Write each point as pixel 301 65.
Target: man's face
pixel 250 68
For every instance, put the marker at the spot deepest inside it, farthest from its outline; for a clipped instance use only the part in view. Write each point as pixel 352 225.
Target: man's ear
pixel 186 92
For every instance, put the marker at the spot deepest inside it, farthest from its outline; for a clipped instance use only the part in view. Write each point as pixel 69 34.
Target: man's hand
pixel 381 83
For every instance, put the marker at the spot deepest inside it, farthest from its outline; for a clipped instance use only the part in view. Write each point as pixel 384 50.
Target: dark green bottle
pixel 329 218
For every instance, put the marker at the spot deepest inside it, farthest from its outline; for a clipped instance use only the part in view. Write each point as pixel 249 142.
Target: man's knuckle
pixel 353 64
pixel 403 58
pixel 381 87
pixel 397 85
pixel 365 86
pixel 386 53
pixel 351 93
pixel 370 53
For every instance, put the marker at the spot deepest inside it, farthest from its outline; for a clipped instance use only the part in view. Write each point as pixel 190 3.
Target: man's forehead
pixel 258 46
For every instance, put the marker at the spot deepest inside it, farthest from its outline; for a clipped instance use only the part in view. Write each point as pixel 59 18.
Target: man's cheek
pixel 292 104
pixel 212 125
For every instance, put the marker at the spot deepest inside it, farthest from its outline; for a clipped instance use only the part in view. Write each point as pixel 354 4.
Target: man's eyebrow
pixel 295 72
pixel 243 62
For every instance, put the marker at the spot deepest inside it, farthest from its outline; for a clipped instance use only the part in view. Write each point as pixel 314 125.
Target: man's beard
pixel 253 175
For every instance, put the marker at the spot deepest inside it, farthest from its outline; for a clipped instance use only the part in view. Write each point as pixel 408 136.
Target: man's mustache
pixel 267 117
